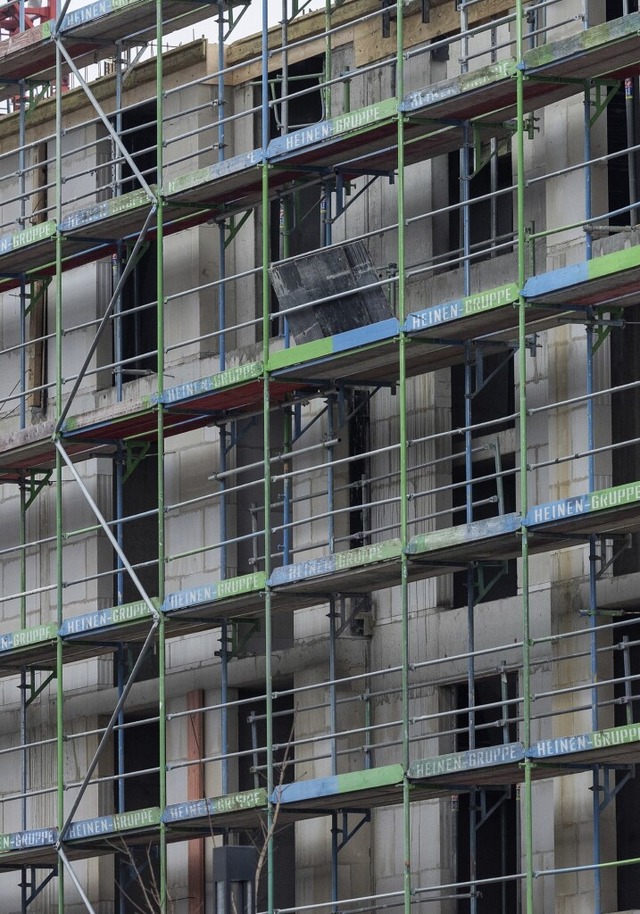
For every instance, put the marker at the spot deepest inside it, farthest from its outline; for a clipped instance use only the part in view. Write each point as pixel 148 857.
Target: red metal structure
pixel 33 15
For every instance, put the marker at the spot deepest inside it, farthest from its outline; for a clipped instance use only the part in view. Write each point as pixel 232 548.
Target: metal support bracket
pixel 234 227
pixel 600 105
pixel 603 328
pixel 303 430
pixel 360 606
pixel 609 792
pixel 343 187
pixel 486 813
pixel 239 638
pixel 481 381
pixel 344 832
pixel 232 439
pixel 483 153
pixel 343 418
pixel 35 891
pixel 129 69
pixel 135 454
pixel 37 98
pixel 34 485
pixel 34 690
pixel 482 587
pixel 42 285
pixel 626 544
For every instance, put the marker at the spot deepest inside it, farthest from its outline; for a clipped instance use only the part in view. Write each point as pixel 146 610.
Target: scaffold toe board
pixel 32 450
pixel 613 510
pixel 608 281
pixel 608 50
pixel 234 391
pixel 361 569
pixel 481 539
pixel 502 764
pixel 33 847
pixel 487 766
pixel 244 809
pixel 227 598
pixel 86 837
pixel 373 787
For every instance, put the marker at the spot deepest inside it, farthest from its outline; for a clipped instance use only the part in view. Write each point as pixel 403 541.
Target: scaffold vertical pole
pixel 403 455
pixel 59 328
pixel 523 440
pixel 162 709
pixel 266 431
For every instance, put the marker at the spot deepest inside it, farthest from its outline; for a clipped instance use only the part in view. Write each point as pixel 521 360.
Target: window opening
pixel 491 220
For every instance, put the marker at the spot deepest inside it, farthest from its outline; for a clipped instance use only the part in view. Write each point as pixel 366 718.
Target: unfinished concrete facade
pixel 319 457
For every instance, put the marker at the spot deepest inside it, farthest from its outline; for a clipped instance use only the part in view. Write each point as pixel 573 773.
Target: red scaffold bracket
pixel 33 15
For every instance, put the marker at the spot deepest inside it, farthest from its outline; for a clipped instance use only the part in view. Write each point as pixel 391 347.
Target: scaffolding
pixel 318 455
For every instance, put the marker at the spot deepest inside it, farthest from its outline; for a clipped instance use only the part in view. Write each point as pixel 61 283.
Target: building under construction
pixel 320 457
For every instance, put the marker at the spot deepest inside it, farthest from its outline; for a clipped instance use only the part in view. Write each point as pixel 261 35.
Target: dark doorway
pixel 252 738
pixel 625 425
pixel 296 225
pixel 496 838
pixel 140 545
pixel 628 799
pixel 137 328
pixel 137 870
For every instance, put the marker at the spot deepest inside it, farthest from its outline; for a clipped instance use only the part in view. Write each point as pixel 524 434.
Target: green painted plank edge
pixel 306 352
pixel 137 818
pixel 458 85
pixel 469 305
pixel 465 533
pixel 468 760
pixel 596 36
pixel 352 123
pixel 217 590
pixel 87 421
pixel 335 562
pixel 27 637
pixel 230 377
pixel 615 262
pixel 215 806
pixel 32 235
pixel 386 776
pixel 104 618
